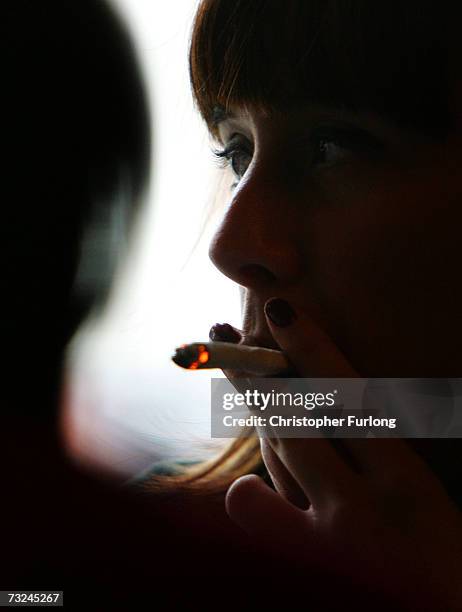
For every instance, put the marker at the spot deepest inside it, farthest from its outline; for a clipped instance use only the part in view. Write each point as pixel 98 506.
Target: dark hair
pixel 390 57
pixel 76 134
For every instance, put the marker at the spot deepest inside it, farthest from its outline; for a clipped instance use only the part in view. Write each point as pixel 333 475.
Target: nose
pixel 257 243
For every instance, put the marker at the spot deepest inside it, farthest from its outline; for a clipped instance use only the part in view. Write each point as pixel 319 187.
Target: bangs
pixel 385 57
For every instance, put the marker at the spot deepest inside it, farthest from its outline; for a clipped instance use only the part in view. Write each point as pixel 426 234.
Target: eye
pixel 237 154
pixel 332 145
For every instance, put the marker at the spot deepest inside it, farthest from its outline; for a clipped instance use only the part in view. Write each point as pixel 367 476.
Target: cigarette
pixel 253 359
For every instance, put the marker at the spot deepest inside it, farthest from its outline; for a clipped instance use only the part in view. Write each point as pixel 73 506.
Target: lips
pixel 251 340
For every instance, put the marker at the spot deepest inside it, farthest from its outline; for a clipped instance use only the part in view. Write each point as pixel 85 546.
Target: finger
pixel 317 467
pixel 265 515
pixel 224 332
pixel 308 347
pixel 282 479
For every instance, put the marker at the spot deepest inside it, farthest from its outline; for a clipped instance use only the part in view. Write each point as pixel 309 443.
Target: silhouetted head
pixel 76 138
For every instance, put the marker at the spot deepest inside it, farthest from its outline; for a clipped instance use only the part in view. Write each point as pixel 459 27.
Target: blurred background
pixel 129 405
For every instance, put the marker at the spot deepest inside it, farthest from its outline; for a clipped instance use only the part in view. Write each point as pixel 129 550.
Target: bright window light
pixel 130 405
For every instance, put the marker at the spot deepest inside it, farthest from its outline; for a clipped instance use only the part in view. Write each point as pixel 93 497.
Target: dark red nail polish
pixel 224 332
pixel 279 312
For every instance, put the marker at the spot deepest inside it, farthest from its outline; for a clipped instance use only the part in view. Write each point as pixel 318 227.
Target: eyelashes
pixel 237 154
pixel 324 147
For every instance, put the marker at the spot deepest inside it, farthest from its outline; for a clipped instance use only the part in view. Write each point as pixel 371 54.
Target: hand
pixel 374 512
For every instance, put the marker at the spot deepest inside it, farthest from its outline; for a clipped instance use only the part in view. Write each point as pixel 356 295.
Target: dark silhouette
pixel 76 140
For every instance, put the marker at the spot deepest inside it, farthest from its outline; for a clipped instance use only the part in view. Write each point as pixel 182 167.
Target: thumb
pixel 308 347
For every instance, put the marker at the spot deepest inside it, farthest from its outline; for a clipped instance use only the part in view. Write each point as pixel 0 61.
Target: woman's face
pixel 354 221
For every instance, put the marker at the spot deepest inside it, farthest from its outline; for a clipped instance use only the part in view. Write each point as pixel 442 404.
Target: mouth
pixel 261 341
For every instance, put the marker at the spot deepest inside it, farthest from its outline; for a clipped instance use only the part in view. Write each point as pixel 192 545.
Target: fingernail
pixel 224 332
pixel 279 312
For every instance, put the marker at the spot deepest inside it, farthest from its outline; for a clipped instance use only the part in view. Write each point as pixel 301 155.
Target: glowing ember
pixel 203 355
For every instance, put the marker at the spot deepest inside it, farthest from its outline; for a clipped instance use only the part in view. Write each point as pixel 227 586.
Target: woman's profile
pixel 339 128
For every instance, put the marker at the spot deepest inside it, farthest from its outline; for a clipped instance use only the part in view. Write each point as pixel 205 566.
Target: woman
pixel 339 125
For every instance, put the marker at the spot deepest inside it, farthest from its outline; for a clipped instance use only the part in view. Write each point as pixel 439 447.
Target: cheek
pixel 385 265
